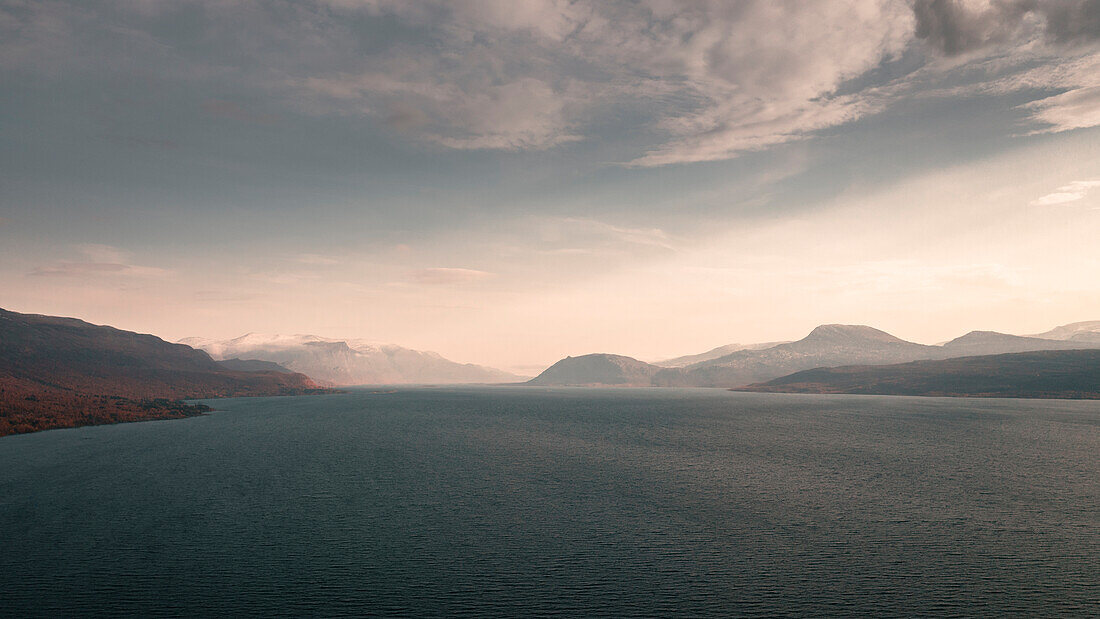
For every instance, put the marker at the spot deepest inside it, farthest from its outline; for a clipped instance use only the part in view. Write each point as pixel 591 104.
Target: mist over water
pixel 512 501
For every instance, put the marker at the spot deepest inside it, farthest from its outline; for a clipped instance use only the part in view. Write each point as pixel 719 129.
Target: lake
pixel 576 502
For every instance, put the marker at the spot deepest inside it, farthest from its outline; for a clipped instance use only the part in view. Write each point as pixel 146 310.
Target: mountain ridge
pixel 347 362
pixel 1073 374
pixel 830 345
pixel 714 353
pixel 597 369
pixel 64 372
pixel 1071 330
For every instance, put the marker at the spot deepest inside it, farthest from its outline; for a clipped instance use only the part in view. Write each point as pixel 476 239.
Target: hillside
pixel 830 345
pixel 62 372
pixel 714 353
pixel 1088 330
pixel 351 362
pixel 598 369
pixel 827 345
pixel 992 343
pixel 1039 374
pixel 252 365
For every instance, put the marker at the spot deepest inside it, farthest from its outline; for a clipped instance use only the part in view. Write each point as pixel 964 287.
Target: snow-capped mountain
pixel 350 362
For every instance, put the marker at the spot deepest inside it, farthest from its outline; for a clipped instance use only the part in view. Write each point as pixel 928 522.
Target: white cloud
pixel 94 269
pixel 317 259
pixel 705 80
pixel 592 232
pixel 1076 109
pixel 104 253
pixel 721 78
pixel 99 260
pixel 1066 193
pixel 447 275
pixel 724 77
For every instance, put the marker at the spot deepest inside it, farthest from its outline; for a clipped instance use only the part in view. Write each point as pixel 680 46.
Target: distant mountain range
pixel 350 362
pixel 825 346
pixel 1041 374
pixel 714 353
pixel 62 372
pixel 1088 331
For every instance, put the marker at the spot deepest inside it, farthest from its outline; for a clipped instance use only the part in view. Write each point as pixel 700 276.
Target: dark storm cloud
pixel 953 27
pixel 1073 20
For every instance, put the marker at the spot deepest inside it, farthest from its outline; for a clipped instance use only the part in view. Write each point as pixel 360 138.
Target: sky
pixel 509 182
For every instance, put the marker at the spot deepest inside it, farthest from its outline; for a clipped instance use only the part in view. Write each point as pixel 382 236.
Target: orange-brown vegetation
pixel 62 372
pixel 27 407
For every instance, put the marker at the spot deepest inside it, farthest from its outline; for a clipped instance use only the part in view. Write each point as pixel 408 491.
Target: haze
pixel 508 183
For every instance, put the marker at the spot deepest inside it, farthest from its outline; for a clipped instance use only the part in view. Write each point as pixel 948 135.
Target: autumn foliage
pixel 63 372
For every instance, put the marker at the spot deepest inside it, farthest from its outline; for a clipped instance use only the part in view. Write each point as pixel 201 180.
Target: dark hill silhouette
pixel 978 343
pixel 1036 374
pixel 598 369
pixel 63 372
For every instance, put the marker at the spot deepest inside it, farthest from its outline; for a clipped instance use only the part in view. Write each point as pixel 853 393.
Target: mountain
pixel 827 345
pixel 350 362
pixel 1037 374
pixel 63 372
pixel 714 353
pixel 993 343
pixel 840 345
pixel 252 365
pixel 598 369
pixel 1088 331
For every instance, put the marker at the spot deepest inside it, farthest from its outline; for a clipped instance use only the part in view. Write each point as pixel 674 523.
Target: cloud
pixel 1076 109
pixel 955 27
pixel 317 259
pixel 406 117
pixel 522 114
pixel 1067 193
pixel 91 269
pixel 592 232
pixel 726 78
pixel 1014 46
pixel 103 253
pixel 446 275
pixel 719 78
pixel 100 260
pixel 700 81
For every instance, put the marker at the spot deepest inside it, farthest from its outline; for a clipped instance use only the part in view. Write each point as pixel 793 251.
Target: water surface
pixel 506 501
